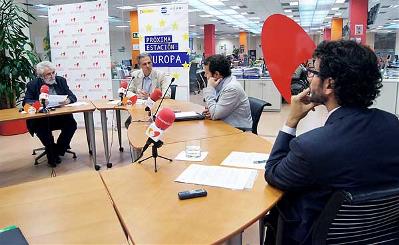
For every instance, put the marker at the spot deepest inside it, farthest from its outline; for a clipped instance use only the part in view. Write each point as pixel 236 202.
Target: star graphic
pixel 185 65
pixel 140 38
pixel 185 36
pixel 148 28
pixel 175 26
pixel 188 51
pixel 162 23
pixel 176 75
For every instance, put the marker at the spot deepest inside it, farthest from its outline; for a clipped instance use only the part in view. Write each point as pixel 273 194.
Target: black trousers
pixel 43 128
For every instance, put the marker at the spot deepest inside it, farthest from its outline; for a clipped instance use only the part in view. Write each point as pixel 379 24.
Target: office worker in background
pixel 146 80
pixel 43 127
pixel 224 97
pixel 356 148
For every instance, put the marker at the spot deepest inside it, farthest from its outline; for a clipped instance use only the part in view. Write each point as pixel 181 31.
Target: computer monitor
pixel 127 63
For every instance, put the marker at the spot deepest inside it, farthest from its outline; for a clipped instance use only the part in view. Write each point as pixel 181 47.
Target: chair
pixel 194 84
pixel 173 91
pixel 359 217
pixel 44 153
pixel 256 106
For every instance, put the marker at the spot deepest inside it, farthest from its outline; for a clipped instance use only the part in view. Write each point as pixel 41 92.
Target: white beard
pixel 50 82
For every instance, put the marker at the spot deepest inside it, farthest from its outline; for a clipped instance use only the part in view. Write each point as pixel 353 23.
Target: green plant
pixel 17 59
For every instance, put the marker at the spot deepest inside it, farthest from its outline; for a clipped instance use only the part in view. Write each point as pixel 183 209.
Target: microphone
pixel 163 97
pixel 43 97
pixel 154 97
pixel 122 90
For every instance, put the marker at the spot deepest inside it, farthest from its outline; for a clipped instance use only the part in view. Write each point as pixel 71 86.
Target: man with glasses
pixel 43 127
pixel 356 148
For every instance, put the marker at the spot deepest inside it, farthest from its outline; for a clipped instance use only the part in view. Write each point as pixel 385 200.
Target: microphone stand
pixel 163 97
pixel 155 146
pixel 44 108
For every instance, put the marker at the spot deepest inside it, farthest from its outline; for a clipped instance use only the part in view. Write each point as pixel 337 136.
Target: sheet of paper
pixel 246 160
pixel 54 100
pixel 182 157
pixel 79 103
pixel 186 114
pixel 232 178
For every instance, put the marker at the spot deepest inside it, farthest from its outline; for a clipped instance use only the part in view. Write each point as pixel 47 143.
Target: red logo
pixel 93 18
pixel 58 65
pixel 94 40
pixel 99 28
pixel 77 86
pixel 55 21
pixel 83 75
pixel 76 65
pixel 102 75
pixel 61 32
pixel 84 97
pixel 79 7
pixel 101 52
pixel 56 43
pixel 96 85
pixel 73 19
pixel 95 63
pixel 75 42
pixel 62 54
pixel 65 75
pixel 98 5
pixel 80 30
pixel 103 97
pixel 59 9
pixel 82 52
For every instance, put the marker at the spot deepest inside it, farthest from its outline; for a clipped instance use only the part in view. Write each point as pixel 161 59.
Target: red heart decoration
pixel 285 46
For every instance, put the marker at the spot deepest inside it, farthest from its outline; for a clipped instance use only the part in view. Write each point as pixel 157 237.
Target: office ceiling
pixel 233 16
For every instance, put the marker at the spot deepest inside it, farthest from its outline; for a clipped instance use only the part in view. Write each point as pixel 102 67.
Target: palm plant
pixel 17 58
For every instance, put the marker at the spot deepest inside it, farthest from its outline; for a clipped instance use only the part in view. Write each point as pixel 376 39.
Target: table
pixel 14 114
pixel 148 206
pixel 70 209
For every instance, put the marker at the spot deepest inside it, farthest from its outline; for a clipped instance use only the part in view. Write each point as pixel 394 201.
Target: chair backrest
pixel 173 91
pixel 257 106
pixel 359 217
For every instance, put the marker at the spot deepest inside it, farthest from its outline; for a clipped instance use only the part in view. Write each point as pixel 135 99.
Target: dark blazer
pixel 355 148
pixel 33 91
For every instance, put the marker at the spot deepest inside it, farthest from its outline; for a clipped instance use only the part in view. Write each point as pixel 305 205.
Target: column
pixel 209 39
pixel 134 36
pixel 336 29
pixel 327 34
pixel 358 20
pixel 244 41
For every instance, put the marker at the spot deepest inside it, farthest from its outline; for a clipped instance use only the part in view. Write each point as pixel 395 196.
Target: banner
pixel 163 32
pixel 80 49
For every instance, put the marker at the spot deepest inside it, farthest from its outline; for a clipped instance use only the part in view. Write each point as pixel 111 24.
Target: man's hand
pixel 206 113
pixel 142 94
pixel 65 102
pixel 300 106
pixel 212 82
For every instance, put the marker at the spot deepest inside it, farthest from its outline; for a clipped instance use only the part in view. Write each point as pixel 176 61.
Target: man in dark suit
pixel 356 148
pixel 43 127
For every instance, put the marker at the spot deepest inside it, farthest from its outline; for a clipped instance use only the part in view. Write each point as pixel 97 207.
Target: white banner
pixel 80 49
pixel 163 32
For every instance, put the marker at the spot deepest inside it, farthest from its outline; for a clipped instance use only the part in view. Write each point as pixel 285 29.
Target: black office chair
pixel 194 84
pixel 359 217
pixel 173 91
pixel 44 153
pixel 257 106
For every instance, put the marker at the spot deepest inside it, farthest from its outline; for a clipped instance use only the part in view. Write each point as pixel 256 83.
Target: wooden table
pixel 70 209
pixel 151 212
pixel 14 114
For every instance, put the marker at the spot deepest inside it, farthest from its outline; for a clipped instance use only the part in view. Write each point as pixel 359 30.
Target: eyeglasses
pixel 49 75
pixel 311 73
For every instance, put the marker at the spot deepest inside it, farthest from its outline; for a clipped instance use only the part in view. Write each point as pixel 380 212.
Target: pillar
pixel 358 20
pixel 134 37
pixel 336 29
pixel 209 39
pixel 244 41
pixel 327 34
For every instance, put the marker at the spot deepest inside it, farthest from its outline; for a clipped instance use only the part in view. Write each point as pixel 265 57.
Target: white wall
pixel 226 46
pixel 198 45
pixel 397 43
pixel 118 40
pixel 370 37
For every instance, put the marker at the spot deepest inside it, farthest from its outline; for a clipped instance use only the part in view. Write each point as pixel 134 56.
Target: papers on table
pixel 186 114
pixel 79 103
pixel 232 178
pixel 182 157
pixel 55 100
pixel 246 160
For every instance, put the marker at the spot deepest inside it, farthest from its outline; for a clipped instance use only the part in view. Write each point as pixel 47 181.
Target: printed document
pixel 246 160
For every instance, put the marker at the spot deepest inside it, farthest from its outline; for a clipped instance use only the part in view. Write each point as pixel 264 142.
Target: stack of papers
pixel 79 103
pixel 246 160
pixel 182 157
pixel 55 100
pixel 232 178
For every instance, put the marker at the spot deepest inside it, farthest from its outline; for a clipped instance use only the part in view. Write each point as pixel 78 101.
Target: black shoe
pixel 57 159
pixel 128 121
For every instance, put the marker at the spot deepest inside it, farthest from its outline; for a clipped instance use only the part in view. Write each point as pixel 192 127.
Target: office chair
pixel 44 153
pixel 194 84
pixel 256 106
pixel 359 217
pixel 173 91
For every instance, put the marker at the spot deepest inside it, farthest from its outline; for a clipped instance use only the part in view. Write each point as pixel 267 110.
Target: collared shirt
pixel 221 85
pixel 146 86
pixel 51 89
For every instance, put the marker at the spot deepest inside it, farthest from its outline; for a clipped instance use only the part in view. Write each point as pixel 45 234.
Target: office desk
pixel 151 212
pixel 70 209
pixel 14 114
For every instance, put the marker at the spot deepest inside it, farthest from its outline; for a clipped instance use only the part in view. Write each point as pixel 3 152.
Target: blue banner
pixel 171 59
pixel 161 47
pixel 158 39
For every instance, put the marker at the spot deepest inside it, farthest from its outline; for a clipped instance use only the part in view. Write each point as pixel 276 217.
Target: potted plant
pixel 17 58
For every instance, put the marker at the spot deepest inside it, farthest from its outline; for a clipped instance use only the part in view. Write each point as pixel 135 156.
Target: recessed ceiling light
pixel 126 7
pixel 334 9
pixel 288 10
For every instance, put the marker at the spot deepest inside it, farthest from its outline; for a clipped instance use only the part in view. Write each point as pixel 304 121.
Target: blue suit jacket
pixel 355 148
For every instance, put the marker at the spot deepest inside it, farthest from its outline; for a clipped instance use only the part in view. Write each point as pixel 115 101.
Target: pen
pixel 260 161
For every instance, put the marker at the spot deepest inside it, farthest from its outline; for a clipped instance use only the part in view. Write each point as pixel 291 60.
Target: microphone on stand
pixel 163 97
pixel 155 131
pixel 154 97
pixel 43 98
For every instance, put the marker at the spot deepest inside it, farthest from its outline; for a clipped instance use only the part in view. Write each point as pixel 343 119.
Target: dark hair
pixel 354 68
pixel 218 63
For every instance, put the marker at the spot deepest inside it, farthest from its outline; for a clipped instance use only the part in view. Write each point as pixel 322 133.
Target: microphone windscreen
pixel 36 105
pixel 133 99
pixel 165 118
pixel 156 95
pixel 44 89
pixel 124 84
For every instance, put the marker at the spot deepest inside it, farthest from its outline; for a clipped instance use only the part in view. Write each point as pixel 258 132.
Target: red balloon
pixel 285 46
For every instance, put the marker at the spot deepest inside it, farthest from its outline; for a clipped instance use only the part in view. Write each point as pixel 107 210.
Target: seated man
pixel 356 148
pixel 43 127
pixel 224 97
pixel 146 80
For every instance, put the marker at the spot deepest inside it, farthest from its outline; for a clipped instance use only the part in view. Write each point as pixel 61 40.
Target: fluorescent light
pixel 340 1
pixel 193 10
pixel 334 9
pixel 290 16
pixel 42 16
pixel 213 2
pixel 121 26
pixel 288 10
pixel 245 13
pixel 229 11
pixel 214 20
pixel 41 6
pixel 338 14
pixel 192 25
pixel 126 7
pixel 235 7
pixel 294 3
pixel 254 18
pixel 205 15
